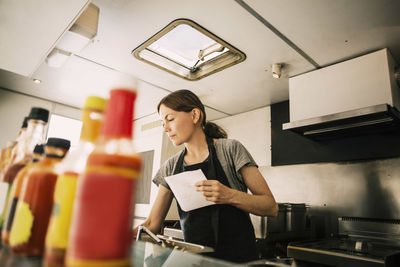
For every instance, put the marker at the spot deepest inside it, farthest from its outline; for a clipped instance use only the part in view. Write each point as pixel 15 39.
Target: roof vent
pixel 187 50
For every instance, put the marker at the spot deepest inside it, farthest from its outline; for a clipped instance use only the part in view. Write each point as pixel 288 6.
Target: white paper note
pixel 184 189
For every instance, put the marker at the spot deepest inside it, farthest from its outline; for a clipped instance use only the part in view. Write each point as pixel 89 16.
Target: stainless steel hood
pixel 374 119
pixel 357 96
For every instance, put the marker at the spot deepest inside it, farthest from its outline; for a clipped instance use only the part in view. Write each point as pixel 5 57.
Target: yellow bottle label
pixel 22 224
pixel 64 195
pixel 98 263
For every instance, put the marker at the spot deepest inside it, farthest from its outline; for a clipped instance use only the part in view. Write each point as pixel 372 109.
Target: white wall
pixel 253 130
pixel 15 106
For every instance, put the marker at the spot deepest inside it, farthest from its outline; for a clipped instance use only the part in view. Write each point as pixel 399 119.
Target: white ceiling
pixel 303 35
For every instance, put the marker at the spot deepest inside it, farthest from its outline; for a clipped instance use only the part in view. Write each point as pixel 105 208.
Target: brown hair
pixel 186 101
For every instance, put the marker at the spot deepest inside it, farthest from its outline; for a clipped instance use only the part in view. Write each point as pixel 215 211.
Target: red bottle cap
pixel 119 114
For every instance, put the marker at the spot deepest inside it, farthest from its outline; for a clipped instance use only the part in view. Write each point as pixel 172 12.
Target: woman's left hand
pixel 216 192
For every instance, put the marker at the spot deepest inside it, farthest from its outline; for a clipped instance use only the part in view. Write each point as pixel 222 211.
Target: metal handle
pixel 142 228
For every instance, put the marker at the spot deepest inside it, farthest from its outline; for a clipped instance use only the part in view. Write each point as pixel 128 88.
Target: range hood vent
pixel 355 97
pixel 369 120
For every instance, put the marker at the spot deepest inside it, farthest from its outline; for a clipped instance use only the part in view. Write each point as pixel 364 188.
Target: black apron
pixel 223 227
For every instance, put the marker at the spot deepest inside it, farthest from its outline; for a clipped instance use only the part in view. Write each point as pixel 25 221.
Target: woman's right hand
pixel 158 211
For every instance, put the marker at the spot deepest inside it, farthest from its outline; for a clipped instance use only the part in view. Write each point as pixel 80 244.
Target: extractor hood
pixel 373 119
pixel 354 97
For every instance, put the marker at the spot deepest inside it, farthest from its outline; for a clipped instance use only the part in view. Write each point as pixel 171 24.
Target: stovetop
pixel 351 247
pixel 362 242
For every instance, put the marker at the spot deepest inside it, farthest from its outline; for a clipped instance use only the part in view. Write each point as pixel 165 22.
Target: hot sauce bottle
pixel 19 141
pixel 70 168
pixel 10 149
pixel 101 227
pixel 34 135
pixel 35 203
pixel 15 193
pixel 23 151
pixel 6 155
pixel 5 160
pixel 10 153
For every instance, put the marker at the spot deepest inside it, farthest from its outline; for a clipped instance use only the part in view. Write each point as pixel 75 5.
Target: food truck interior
pixel 311 88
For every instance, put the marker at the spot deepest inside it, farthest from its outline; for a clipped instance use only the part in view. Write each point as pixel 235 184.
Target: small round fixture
pixel 37 81
pixel 276 70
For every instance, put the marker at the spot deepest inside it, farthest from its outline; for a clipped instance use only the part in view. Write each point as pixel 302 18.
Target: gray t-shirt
pixel 231 154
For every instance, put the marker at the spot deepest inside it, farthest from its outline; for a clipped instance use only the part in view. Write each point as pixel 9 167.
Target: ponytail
pixel 213 130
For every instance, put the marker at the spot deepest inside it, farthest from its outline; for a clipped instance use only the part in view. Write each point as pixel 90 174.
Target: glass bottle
pixel 19 141
pixel 71 167
pixel 34 135
pixel 35 203
pixel 10 151
pixel 5 160
pixel 15 193
pixel 4 184
pixel 6 155
pixel 101 226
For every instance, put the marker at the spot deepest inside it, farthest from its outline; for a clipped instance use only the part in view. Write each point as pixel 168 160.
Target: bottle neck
pixel 118 118
pixel 112 145
pixel 34 135
pixel 91 124
pixel 36 157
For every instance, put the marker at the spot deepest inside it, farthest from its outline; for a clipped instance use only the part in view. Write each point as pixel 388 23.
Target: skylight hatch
pixel 187 50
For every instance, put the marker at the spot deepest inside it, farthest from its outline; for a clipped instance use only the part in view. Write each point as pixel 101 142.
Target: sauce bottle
pixel 9 154
pixel 33 210
pixel 20 139
pixel 6 156
pixel 101 227
pixel 23 151
pixel 5 160
pixel 34 135
pixel 15 193
pixel 71 167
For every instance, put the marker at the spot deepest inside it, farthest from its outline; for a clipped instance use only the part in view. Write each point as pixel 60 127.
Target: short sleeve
pixel 241 156
pixel 233 156
pixel 159 178
pixel 167 169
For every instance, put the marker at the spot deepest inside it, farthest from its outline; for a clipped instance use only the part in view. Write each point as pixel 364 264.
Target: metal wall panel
pixel 367 189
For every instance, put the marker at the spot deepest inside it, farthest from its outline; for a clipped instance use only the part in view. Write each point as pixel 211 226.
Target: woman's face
pixel 179 125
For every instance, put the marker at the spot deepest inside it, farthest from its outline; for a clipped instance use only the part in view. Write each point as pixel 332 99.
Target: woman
pixel 230 171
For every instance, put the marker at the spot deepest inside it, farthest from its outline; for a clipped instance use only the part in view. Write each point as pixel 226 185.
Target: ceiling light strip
pixel 278 33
